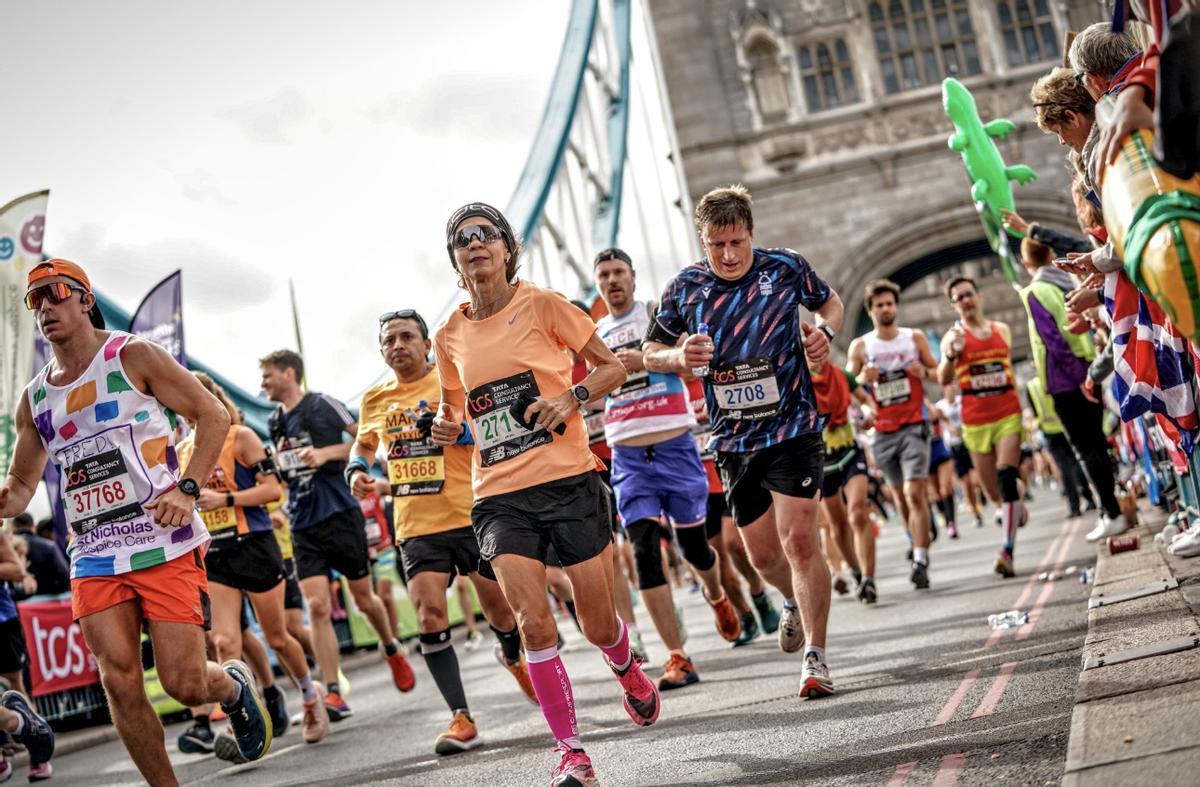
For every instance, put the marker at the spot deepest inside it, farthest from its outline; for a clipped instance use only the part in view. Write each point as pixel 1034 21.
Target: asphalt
pixel 927 694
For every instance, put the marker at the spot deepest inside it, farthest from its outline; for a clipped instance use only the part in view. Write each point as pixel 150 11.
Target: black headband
pixel 481 210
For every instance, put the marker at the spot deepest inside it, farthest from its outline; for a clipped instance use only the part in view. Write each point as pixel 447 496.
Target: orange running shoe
pixel 462 736
pixel 729 622
pixel 520 671
pixel 402 671
pixel 677 673
pixel 217 714
pixel 336 707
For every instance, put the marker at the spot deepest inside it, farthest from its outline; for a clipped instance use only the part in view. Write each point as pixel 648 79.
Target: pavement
pixel 1139 692
pixel 928 694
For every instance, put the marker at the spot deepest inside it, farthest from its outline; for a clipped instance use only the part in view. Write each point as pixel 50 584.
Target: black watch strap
pixel 189 487
pixel 229 499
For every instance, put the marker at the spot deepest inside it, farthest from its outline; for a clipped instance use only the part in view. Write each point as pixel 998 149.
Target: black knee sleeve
pixel 647 553
pixel 434 641
pixel 1010 491
pixel 696 549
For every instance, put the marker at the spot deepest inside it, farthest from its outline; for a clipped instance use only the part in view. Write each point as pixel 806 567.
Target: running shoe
pixel 677 673
pixel 637 647
pixel 6 768
pixel 336 707
pixel 226 748
pixel 729 624
pixel 814 680
pixel 520 671
pixel 196 740
pixel 909 554
pixel 315 723
pixel 867 593
pixel 277 710
pixel 767 614
pixel 218 714
pixel 919 576
pixel 39 773
pixel 474 641
pixel 462 736
pixel 641 699
pixel 1106 527
pixel 749 631
pixel 36 736
pixel 839 585
pixel 249 719
pixel 978 521
pixel 575 770
pixel 1004 564
pixel 791 630
pixel 402 671
pixel 952 531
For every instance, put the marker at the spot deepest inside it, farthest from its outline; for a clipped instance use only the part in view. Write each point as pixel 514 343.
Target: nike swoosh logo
pixel 514 319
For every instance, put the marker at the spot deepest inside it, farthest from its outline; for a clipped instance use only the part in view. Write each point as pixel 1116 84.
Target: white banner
pixel 22 222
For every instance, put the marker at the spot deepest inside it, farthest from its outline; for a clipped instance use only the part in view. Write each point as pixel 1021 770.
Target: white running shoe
pixel 791 630
pixel 1106 527
pixel 814 680
pixel 1187 545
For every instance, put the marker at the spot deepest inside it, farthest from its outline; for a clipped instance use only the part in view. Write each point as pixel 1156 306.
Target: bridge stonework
pixel 849 164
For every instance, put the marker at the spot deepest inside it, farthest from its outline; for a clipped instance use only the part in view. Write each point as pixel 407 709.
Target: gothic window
pixel 1028 28
pixel 770 81
pixel 828 75
pixel 919 42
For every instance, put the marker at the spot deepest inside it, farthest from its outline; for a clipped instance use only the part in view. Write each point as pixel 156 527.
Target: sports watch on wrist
pixel 827 329
pixel 189 487
pixel 582 395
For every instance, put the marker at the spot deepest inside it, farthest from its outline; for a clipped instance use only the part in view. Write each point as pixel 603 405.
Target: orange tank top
pixel 984 371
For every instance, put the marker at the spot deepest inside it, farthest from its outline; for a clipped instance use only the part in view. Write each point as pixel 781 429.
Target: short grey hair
pixel 1100 51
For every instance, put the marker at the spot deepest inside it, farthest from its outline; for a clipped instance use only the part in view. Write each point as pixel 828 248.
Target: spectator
pixel 45 529
pixel 46 561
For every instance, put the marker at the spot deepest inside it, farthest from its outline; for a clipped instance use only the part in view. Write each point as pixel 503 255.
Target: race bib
pixel 988 379
pixel 893 388
pixel 746 391
pixel 497 434
pixel 99 491
pixel 287 458
pixel 219 519
pixel 416 467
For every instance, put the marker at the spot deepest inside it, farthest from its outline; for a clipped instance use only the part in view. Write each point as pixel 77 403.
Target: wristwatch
pixel 190 487
pixel 582 395
pixel 827 329
pixel 229 499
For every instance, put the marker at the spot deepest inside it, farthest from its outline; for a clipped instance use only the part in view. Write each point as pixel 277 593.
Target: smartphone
pixel 518 408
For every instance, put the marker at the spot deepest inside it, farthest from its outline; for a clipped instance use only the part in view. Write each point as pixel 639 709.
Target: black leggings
pixel 1082 420
pixel 1074 483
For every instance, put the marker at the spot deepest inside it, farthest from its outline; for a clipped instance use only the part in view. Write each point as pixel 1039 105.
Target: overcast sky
pixel 248 142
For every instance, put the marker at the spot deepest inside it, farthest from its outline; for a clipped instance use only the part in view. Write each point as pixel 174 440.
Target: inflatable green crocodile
pixel 990 187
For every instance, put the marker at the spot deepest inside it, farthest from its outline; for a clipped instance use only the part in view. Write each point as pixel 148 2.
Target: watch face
pixel 189 487
pixel 581 393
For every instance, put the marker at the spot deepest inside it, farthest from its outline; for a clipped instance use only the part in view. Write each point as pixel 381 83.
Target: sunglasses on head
pixel 406 314
pixel 484 233
pixel 1079 75
pixel 962 296
pixel 55 292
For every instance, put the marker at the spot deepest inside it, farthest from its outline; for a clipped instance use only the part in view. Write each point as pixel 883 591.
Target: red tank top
pixel 984 371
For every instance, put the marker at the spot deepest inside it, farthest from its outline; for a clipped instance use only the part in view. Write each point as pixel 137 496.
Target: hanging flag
pixel 22 222
pixel 159 317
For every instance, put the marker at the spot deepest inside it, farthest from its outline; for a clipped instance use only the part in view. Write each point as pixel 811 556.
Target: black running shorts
pixel 793 468
pixel 718 509
pixel 12 646
pixel 338 543
pixel 572 514
pixel 453 552
pixel 250 563
pixel 293 598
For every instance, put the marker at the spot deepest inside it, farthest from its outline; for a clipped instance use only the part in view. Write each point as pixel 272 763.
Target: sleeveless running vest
pixel 899 396
pixel 115 448
pixel 229 476
pixel 647 401
pixel 985 375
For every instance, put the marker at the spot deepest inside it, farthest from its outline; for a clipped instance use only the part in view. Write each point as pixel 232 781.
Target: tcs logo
pixel 76 477
pixel 480 403
pixel 724 376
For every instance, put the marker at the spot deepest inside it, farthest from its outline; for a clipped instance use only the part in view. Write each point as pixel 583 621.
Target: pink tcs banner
pixel 58 658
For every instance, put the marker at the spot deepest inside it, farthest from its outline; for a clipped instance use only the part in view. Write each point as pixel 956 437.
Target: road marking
pixel 1047 560
pixel 992 698
pixel 1036 613
pixel 901 774
pixel 956 698
pixel 947 775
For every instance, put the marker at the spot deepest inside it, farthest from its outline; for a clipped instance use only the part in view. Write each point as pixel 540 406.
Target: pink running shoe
pixel 641 699
pixel 575 770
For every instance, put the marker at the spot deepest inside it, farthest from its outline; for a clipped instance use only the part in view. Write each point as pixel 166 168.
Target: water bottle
pixel 1008 620
pixel 960 342
pixel 701 371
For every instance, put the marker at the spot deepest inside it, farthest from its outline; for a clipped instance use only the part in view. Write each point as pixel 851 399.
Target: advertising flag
pixel 159 317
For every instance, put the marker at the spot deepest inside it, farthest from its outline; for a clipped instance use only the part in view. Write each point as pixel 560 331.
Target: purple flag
pixel 159 317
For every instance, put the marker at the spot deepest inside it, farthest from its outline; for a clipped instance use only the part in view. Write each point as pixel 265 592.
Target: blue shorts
pixel 938 453
pixel 666 479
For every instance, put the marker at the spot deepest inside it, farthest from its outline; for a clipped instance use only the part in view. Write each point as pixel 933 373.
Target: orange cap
pixel 57 267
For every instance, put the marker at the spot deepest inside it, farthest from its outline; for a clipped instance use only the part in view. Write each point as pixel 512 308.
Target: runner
pixel 950 406
pixel 977 352
pixel 105 409
pixel 941 472
pixel 844 487
pixel 502 362
pixel 894 363
pixel 381 548
pixel 328 530
pixel 657 473
pixel 733 316
pixel 293 598
pixel 243 558
pixel 431 508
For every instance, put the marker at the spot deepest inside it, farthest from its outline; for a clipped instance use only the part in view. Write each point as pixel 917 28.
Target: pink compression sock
pixel 618 652
pixel 553 688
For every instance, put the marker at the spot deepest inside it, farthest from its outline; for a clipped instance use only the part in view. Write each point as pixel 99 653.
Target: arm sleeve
pixel 850 379
pixel 667 324
pixel 569 325
pixel 1061 242
pixel 447 371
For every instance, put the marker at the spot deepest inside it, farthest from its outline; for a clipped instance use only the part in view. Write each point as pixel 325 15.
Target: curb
pixel 1130 720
